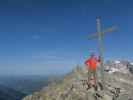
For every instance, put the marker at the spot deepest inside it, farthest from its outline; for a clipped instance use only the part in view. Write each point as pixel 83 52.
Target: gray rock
pixel 118 85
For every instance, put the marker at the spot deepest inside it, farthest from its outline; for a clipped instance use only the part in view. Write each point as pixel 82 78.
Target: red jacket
pixel 91 63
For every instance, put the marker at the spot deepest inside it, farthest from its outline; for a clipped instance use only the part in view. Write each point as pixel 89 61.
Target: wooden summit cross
pixel 99 35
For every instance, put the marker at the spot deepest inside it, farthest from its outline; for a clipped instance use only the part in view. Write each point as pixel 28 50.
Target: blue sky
pixel 40 37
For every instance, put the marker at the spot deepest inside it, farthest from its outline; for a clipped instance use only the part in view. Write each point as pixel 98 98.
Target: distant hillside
pixel 25 84
pixel 10 94
pixel 118 84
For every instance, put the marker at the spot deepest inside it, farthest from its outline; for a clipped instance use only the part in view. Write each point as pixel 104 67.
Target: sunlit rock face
pixel 130 67
pixel 118 77
pixel 119 66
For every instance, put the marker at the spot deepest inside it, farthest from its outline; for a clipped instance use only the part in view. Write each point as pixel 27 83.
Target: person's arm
pixel 98 59
pixel 86 62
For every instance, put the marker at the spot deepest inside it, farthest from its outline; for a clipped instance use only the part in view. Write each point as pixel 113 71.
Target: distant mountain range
pixel 10 94
pixel 16 87
pixel 25 84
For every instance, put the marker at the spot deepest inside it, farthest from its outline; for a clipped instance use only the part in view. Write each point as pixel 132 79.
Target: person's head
pixel 92 55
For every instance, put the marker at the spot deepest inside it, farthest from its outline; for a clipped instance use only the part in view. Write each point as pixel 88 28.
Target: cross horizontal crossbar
pixel 95 35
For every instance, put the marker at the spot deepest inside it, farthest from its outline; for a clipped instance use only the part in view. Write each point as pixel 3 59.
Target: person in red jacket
pixel 91 64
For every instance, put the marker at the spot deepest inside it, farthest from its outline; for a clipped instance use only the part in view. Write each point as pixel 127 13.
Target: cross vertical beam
pixel 99 35
pixel 100 49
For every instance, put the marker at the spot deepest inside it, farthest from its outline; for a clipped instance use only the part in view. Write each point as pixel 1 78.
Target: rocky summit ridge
pixel 118 84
